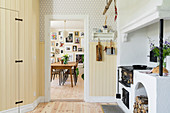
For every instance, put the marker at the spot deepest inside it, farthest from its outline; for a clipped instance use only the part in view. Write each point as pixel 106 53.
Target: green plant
pixel 166 50
pixel 65 58
pixel 77 72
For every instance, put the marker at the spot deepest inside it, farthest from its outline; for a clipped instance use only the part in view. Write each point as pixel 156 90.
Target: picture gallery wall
pixel 69 42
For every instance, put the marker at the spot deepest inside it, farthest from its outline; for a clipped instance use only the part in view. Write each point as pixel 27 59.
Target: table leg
pixel 71 77
pixel 51 73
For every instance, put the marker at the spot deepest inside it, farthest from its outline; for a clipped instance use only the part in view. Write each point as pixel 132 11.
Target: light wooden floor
pixel 68 107
pixel 67 92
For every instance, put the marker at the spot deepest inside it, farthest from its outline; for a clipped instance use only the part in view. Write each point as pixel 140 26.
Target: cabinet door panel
pixel 8 54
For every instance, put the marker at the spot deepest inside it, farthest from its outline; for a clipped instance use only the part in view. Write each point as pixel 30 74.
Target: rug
pixel 112 109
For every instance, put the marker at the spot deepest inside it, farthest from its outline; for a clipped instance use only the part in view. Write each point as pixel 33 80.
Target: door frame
pixel 48 18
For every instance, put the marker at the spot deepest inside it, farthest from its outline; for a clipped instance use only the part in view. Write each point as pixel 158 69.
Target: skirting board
pixel 101 99
pixel 25 108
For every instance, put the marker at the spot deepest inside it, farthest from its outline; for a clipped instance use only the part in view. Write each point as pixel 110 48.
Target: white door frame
pixel 48 18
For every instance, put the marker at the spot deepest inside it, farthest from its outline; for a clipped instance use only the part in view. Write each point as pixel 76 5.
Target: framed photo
pixel 52 60
pixel 59 33
pixel 61 44
pixel 57 51
pixel 70 59
pixel 61 38
pixel 80 58
pixel 76 33
pixel 77 40
pixel 52 49
pixel 68 48
pixel 61 51
pixel 82 34
pixel 52 43
pixel 80 49
pixel 53 36
pixel 74 48
pixel 69 39
pixel 56 44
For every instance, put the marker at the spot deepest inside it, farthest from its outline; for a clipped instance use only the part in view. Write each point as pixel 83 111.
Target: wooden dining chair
pixel 55 73
pixel 67 73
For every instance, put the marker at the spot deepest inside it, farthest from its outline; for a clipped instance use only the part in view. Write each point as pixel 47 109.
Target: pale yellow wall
pixel 28 51
pixel 102 74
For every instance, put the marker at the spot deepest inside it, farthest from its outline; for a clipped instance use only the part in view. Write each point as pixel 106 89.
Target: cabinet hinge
pixel 19 102
pixel 18 61
pixel 18 19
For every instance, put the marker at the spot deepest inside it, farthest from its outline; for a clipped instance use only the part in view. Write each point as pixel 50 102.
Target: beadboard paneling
pixel 102 74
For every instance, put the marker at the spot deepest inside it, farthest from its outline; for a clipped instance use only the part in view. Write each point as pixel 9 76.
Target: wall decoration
pixel 61 44
pixel 53 36
pixel 52 49
pixel 79 58
pixel 57 51
pixel 82 34
pixel 61 38
pixel 52 60
pixel 76 33
pixel 52 43
pixel 80 49
pixel 61 51
pixel 74 48
pixel 68 48
pixel 56 44
pixel 69 39
pixel 77 40
pixel 52 55
pixel 59 33
pixel 70 59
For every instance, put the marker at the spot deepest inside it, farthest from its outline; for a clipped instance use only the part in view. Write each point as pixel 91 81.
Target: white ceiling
pixel 70 24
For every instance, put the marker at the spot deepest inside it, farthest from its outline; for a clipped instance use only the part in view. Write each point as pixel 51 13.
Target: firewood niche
pixel 141 104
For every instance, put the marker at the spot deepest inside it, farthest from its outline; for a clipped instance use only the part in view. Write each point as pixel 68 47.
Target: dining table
pixel 69 66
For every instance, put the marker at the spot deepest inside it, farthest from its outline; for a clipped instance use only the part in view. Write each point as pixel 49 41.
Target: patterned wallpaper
pixel 93 8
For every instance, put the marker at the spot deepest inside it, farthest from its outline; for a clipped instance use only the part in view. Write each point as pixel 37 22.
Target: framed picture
pixel 59 33
pixel 61 44
pixel 53 36
pixel 74 48
pixel 77 40
pixel 68 48
pixel 56 44
pixel 52 43
pixel 76 33
pixel 57 51
pixel 52 49
pixel 61 51
pixel 69 39
pixel 52 60
pixel 70 59
pixel 82 34
pixel 80 49
pixel 61 38
pixel 80 58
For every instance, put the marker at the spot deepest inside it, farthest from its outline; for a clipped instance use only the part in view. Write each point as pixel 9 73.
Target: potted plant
pixel 166 52
pixel 65 58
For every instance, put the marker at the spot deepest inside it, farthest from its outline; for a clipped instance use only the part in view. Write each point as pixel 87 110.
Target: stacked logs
pixel 141 104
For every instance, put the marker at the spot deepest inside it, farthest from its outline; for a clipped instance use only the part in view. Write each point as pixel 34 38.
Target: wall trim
pixel 48 18
pixel 102 99
pixel 26 108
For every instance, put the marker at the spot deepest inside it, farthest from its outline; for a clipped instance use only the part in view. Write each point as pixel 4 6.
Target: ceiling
pixel 70 24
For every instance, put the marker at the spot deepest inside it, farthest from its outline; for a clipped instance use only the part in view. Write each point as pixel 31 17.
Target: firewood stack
pixel 141 104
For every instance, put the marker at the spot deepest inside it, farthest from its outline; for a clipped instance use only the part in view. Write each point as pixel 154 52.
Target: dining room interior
pixel 67 52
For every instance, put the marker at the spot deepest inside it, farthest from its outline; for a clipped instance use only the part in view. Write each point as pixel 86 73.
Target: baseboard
pixel 101 99
pixel 25 108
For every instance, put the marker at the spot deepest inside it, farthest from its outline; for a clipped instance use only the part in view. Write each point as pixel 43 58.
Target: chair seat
pixel 68 71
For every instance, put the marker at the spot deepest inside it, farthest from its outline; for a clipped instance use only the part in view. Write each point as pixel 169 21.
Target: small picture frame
pixel 77 40
pixel 68 48
pixel 74 48
pixel 70 59
pixel 53 36
pixel 69 39
pixel 61 51
pixel 79 58
pixel 59 33
pixel 56 44
pixel 61 38
pixel 76 33
pixel 52 49
pixel 80 49
pixel 81 34
pixel 57 51
pixel 53 43
pixel 61 44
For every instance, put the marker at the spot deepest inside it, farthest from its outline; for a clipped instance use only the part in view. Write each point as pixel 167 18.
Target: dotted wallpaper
pixel 93 8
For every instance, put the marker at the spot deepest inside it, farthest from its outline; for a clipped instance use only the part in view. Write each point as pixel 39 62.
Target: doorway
pixel 48 20
pixel 67 40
